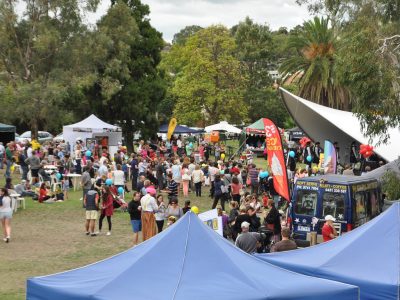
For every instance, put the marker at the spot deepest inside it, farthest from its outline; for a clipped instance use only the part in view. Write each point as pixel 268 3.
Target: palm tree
pixel 315 60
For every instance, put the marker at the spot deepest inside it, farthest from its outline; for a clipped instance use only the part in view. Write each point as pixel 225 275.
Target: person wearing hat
pixel 247 241
pixel 328 230
pixel 149 208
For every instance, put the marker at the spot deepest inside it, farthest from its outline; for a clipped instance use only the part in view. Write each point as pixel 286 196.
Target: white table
pixel 49 169
pixel 74 178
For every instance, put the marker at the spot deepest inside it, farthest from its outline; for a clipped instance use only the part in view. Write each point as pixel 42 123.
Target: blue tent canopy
pixel 179 129
pixel 368 257
pixel 187 261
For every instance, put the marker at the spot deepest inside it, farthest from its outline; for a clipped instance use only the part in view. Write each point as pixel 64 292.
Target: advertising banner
pixel 211 219
pixel 330 162
pixel 276 159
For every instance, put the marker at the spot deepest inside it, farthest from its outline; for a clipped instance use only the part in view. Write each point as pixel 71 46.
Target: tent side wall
pixel 6 137
pixel 7 133
pixel 70 136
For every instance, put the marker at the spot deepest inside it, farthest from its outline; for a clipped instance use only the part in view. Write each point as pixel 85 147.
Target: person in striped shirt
pixel 172 188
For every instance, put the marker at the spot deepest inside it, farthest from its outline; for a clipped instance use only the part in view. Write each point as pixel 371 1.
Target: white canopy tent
pixel 323 123
pixel 93 127
pixel 223 126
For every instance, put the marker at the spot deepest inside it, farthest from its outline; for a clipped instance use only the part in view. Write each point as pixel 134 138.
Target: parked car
pixel 59 138
pixel 43 136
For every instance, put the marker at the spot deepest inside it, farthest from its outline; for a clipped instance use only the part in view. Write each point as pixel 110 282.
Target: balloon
pixel 368 154
pixel 12 168
pixel 88 153
pixel 191 145
pixel 264 174
pixel 109 182
pixel 58 176
pixel 222 155
pixel 292 154
pixel 195 210
pixel 120 190
pixel 309 158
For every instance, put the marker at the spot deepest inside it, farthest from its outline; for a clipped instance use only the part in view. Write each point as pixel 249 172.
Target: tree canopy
pixel 209 87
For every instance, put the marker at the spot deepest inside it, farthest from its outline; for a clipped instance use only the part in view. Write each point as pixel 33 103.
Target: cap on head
pixel 245 224
pixel 329 218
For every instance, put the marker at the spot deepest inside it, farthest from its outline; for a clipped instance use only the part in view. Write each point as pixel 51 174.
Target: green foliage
pixel 128 84
pixel 181 37
pixel 36 55
pixel 315 47
pixel 367 58
pixel 391 185
pixel 255 50
pixel 209 85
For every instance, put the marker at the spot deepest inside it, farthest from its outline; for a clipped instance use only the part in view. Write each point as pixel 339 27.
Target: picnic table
pixel 74 177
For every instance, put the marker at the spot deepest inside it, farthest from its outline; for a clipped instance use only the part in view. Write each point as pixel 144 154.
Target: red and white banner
pixel 276 159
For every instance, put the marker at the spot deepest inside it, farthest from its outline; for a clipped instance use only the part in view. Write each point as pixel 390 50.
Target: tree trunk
pixel 128 136
pixel 34 130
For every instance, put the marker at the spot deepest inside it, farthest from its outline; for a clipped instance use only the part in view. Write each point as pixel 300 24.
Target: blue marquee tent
pixel 179 129
pixel 368 257
pixel 187 261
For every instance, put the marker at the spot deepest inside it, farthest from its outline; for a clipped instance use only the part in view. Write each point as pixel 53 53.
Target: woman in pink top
pixel 235 189
pixel 201 151
pixel 185 180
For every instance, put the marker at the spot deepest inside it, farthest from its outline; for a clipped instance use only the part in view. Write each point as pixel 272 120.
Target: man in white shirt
pixel 213 170
pixel 176 172
pixel 149 207
pixel 103 170
pixel 191 168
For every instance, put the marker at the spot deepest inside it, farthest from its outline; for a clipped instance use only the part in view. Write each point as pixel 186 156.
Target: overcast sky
pixel 170 16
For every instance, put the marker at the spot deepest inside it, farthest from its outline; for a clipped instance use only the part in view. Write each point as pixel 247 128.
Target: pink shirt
pixel 235 188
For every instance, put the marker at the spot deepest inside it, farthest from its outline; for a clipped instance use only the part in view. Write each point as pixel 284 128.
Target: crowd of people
pixel 153 171
pixel 156 170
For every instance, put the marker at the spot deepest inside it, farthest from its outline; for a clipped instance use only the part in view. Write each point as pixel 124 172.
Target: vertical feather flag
pixel 171 128
pixel 276 159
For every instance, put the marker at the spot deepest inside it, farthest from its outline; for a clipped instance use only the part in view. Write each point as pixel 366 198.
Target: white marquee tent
pixel 92 127
pixel 223 126
pixel 323 123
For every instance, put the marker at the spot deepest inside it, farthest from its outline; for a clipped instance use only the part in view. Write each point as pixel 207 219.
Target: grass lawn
pixel 50 238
